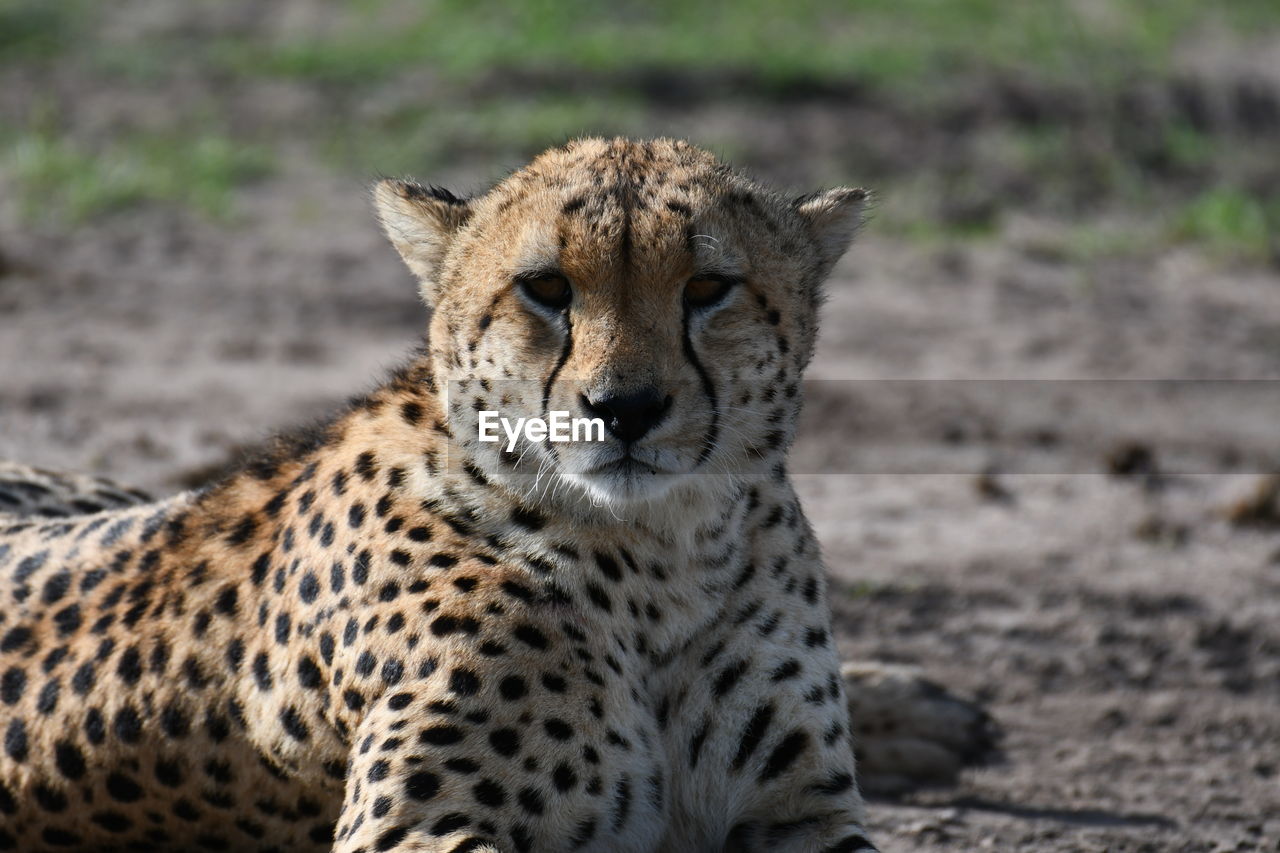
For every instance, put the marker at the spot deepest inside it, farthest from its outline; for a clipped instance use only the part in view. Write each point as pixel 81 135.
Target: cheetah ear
pixel 832 218
pixel 421 223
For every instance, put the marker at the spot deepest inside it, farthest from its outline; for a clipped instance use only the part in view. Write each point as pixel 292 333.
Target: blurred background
pixel 1066 190
pixel 1102 113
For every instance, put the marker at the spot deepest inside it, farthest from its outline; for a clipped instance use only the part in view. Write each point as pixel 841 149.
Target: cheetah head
pixel 640 283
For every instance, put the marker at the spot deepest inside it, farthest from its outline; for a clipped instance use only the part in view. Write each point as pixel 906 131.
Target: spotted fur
pixel 387 635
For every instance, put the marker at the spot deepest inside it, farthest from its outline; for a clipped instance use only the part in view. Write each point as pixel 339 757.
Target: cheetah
pixel 383 633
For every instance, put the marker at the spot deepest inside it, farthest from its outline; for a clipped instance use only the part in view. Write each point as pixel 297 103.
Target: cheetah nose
pixel 628 417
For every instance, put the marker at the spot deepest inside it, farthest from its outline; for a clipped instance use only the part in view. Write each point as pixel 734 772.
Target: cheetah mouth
pixel 625 479
pixel 624 466
pixel 623 475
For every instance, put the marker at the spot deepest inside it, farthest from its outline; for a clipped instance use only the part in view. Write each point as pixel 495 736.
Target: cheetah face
pixel 640 283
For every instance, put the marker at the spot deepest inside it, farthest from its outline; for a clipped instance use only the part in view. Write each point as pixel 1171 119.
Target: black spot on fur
pixel 784 755
pixel 411 412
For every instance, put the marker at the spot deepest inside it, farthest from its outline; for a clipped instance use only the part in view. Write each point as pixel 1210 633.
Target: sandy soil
pixel 1061 550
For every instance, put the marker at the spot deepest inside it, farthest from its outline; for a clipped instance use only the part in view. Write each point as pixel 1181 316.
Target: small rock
pixel 1259 506
pixel 1158 530
pixel 989 488
pixel 1132 459
pixel 1112 719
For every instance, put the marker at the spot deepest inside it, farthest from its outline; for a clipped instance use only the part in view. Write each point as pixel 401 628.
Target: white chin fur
pixel 629 489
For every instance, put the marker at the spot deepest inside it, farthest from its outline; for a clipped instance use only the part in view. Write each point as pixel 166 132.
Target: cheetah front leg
pixel 810 835
pixel 807 800
pixel 510 757
pixel 908 733
pixel 399 797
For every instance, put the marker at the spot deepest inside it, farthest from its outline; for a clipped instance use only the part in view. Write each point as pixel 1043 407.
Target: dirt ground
pixel 1083 556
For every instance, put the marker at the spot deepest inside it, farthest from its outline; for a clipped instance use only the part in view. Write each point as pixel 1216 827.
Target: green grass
pixel 898 44
pixel 33 29
pixel 409 86
pixel 61 181
pixel 411 139
pixel 1232 222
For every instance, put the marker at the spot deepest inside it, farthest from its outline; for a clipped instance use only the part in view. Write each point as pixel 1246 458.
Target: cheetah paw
pixel 909 732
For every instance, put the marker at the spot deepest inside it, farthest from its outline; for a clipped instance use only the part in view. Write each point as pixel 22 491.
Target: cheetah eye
pixel 707 289
pixel 549 289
